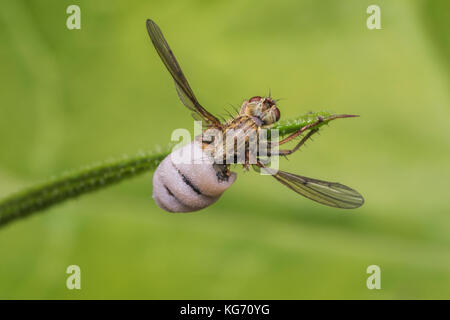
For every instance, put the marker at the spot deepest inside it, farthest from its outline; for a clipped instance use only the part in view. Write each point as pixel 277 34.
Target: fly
pixel 183 189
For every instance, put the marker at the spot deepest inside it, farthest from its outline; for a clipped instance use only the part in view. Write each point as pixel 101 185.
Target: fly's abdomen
pixel 186 180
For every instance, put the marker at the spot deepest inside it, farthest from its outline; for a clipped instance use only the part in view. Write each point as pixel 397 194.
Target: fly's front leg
pixel 302 142
pixel 246 164
pixel 300 131
pixel 249 154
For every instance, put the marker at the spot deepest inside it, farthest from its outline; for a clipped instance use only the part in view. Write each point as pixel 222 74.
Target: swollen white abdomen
pixel 186 180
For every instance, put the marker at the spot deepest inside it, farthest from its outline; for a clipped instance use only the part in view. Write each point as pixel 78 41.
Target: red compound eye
pixel 254 99
pixel 276 111
pixel 269 102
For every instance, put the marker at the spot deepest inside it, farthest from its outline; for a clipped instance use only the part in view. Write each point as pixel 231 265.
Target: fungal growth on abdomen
pixel 186 180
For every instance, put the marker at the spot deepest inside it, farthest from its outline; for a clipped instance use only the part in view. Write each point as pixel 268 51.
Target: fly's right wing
pixel 184 91
pixel 331 194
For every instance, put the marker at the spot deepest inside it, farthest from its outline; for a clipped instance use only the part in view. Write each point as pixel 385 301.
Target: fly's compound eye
pixel 271 116
pixel 276 113
pixel 254 99
pixel 269 102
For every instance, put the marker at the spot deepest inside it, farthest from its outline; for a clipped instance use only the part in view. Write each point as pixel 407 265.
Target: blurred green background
pixel 70 98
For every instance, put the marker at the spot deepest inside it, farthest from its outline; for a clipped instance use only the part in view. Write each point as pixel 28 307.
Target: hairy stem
pixel 72 185
pixel 289 126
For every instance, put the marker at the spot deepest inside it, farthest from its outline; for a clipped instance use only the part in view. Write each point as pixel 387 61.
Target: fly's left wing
pixel 184 91
pixel 332 194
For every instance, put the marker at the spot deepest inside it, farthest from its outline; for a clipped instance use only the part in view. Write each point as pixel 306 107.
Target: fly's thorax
pixel 231 145
pixel 240 141
pixel 263 109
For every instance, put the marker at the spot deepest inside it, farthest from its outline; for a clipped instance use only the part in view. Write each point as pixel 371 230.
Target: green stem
pixel 289 126
pixel 72 185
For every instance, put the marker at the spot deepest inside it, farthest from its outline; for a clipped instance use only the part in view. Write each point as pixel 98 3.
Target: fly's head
pixel 264 109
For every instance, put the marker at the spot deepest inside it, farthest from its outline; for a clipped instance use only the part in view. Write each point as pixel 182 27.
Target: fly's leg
pixel 300 131
pixel 246 164
pixel 309 126
pixel 296 134
pixel 302 142
pixel 305 138
pixel 248 156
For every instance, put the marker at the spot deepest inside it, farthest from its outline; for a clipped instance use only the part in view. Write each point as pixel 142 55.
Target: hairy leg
pixel 300 131
pixel 302 142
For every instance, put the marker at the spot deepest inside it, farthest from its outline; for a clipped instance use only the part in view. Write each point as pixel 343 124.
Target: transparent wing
pixel 332 194
pixel 184 91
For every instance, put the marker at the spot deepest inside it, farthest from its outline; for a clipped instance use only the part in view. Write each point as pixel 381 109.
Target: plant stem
pixel 289 126
pixel 72 185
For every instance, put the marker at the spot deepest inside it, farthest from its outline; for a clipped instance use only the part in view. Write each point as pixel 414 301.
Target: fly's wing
pixel 184 91
pixel 332 194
